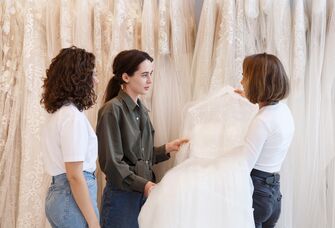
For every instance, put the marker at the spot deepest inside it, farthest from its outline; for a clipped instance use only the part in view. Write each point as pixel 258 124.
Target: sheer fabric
pixel 172 77
pixel 211 186
pixel 327 122
pixel 311 169
pixel 33 181
pixel 202 59
pixel 296 101
pixel 10 143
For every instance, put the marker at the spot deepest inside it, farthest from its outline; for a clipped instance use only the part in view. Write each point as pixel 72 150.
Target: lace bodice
pixel 216 124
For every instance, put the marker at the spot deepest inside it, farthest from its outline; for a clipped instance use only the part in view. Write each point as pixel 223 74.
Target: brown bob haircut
pixel 266 79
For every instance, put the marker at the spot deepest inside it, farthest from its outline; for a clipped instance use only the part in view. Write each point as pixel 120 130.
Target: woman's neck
pixel 261 104
pixel 132 95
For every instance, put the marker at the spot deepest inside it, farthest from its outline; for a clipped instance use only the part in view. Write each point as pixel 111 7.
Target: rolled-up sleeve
pixel 111 152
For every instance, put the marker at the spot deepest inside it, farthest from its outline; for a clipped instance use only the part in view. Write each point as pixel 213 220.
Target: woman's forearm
pixel 81 195
pixel 79 189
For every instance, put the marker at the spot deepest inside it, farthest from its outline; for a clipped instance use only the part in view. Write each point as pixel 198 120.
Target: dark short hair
pixel 128 62
pixel 266 79
pixel 69 79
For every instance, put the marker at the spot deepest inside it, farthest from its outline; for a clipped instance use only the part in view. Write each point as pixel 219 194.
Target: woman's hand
pixel 148 187
pixel 80 192
pixel 175 145
pixel 94 225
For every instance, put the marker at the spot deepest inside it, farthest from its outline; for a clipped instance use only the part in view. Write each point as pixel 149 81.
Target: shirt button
pixel 142 149
pixel 137 118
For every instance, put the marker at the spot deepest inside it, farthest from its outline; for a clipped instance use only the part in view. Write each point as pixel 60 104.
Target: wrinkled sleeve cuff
pixel 136 183
pixel 160 154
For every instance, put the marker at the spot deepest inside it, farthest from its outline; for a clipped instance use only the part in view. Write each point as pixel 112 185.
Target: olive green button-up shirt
pixel 126 144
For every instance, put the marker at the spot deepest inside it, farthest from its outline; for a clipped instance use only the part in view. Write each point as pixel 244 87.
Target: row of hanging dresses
pixel 219 49
pixel 172 78
pixel 299 33
pixel 328 112
pixel 34 31
pixel 10 86
pixel 296 102
pixel 312 169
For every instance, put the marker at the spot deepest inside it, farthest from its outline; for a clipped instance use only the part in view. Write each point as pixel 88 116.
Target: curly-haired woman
pixel 69 143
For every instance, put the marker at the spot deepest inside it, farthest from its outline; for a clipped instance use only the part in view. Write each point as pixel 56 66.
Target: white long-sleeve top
pixel 269 137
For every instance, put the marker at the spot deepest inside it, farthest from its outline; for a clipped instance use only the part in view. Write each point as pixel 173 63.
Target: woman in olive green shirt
pixel 126 141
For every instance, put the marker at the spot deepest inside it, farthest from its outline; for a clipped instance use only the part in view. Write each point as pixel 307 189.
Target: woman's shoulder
pixel 69 108
pixel 69 111
pixel 280 108
pixel 276 115
pixel 112 106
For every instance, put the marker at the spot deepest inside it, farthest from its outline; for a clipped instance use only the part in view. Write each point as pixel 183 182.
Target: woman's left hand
pixel 175 145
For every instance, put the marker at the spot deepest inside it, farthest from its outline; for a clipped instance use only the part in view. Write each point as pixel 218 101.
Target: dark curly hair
pixel 69 80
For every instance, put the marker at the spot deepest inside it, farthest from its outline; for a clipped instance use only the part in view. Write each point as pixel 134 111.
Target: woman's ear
pixel 125 77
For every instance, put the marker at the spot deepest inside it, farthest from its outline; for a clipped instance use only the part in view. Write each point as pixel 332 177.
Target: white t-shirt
pixel 67 136
pixel 269 137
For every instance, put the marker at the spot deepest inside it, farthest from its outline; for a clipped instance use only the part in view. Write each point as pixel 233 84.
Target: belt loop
pixel 52 180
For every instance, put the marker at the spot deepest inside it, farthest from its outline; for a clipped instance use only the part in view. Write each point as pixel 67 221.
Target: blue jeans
pixel 266 199
pixel 120 209
pixel 60 207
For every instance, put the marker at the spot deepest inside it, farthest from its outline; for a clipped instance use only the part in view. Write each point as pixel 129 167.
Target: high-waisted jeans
pixel 266 198
pixel 60 207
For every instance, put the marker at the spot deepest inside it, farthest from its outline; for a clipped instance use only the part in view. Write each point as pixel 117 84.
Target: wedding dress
pixel 202 59
pixel 311 169
pixel 219 49
pixel 296 101
pixel 327 117
pixel 172 77
pixel 33 181
pixel 82 24
pixel 10 80
pixel 52 26
pixel 211 186
pixel 224 52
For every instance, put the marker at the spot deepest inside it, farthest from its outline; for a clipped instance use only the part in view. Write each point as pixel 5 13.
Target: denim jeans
pixel 266 202
pixel 120 209
pixel 60 207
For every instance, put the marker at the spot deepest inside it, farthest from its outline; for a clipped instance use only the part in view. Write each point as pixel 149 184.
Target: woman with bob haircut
pixel 68 141
pixel 270 132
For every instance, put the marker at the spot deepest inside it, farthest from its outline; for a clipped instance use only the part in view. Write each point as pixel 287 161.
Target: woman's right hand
pixel 147 188
pixel 94 225
pixel 80 192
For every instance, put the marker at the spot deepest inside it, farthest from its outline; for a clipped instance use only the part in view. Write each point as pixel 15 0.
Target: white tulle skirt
pixel 202 192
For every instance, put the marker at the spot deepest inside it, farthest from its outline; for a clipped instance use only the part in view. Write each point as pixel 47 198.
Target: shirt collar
pixel 130 103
